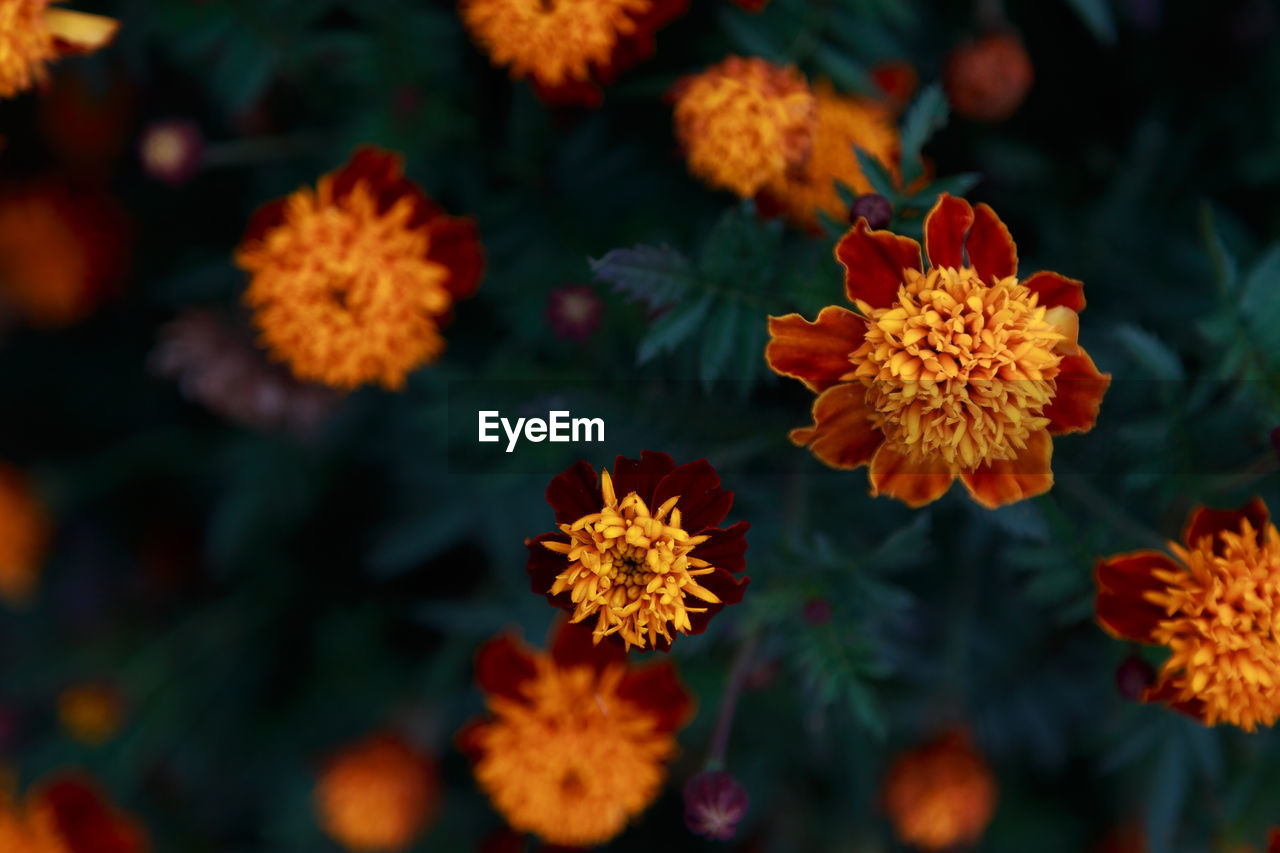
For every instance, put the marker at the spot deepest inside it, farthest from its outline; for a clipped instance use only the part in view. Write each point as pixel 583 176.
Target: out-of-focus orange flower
pixel 377 795
pixel 62 252
pixel 67 814
pixel 24 537
pixel 744 123
pixel 987 80
pixel 1216 607
pixel 92 713
pixel 351 282
pixel 33 33
pixel 570 49
pixel 960 370
pixel 941 794
pixel 576 743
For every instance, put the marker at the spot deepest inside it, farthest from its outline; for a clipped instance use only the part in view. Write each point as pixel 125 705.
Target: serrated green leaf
pixel 751 36
pixel 925 117
pixel 877 175
pixel 1150 352
pixel 718 339
pixel 1097 16
pixel 842 70
pixel 657 276
pixel 673 327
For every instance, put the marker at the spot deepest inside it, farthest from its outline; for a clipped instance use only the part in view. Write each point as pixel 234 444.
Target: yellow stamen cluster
pixel 553 41
pixel 26 45
pixel 344 293
pixel 574 761
pixel 1223 626
pixel 632 570
pixel 958 369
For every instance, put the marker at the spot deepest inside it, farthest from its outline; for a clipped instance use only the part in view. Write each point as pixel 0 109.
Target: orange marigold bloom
pixel 1216 607
pixel 960 370
pixel 24 537
pixel 33 34
pixel 66 815
pixel 576 743
pixel 744 123
pixel 377 795
pixel 638 553
pixel 91 713
pixel 941 794
pixel 352 282
pixel 569 48
pixel 988 79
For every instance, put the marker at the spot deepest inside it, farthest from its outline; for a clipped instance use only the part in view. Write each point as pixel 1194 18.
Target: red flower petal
pixel 1009 480
pixel 503 665
pixel 991 249
pixel 468 739
pixel 1273 841
pixel 816 353
pixel 85 822
pixel 1165 693
pixel 913 482
pixel 944 231
pixel 1080 389
pixel 266 218
pixel 873 263
pixel 1210 522
pixel 379 168
pixel 843 434
pixel 657 690
pixel 575 493
pixel 1054 290
pixel 455 244
pixel 726 587
pixel 574 645
pixel 641 475
pixel 1122 581
pixel 543 567
pixel 725 549
pixel 570 93
pixel 703 503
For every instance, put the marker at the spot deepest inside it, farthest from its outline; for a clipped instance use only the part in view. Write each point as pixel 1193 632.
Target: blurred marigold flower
pixel 92 713
pixel 574 311
pixel 34 33
pixel 898 80
pixel 576 742
pixel 987 80
pixel 744 123
pixel 171 150
pixel 957 371
pixel 377 795
pixel 941 794
pixel 25 531
pixel 1216 607
pixel 67 814
pixel 352 281
pixel 714 805
pixel 569 48
pixel 638 552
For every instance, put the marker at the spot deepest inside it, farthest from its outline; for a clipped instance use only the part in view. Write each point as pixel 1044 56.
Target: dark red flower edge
pixel 655 477
pixel 85 821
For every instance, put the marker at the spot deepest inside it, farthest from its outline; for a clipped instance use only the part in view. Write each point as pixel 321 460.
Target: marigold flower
pixel 352 282
pixel 639 552
pixel 377 795
pixel 744 123
pixel 714 805
pixel 576 742
pixel 91 713
pixel 941 794
pixel 33 33
pixel 988 79
pixel 1216 607
pixel 25 531
pixel 955 371
pixel 569 48
pixel 66 815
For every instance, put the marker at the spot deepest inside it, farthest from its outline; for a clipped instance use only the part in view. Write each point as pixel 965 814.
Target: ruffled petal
pixel 575 493
pixel 1054 290
pixel 1165 693
pixel 944 231
pixel 658 691
pixel 379 169
pixel 726 587
pixel 470 740
pixel 725 549
pixel 503 665
pixel 575 645
pixel 991 249
pixel 702 502
pixel 79 32
pixel 843 434
pixel 1007 481
pixel 873 263
pixel 915 483
pixel 642 475
pixel 544 565
pixel 1210 522
pixel 455 244
pixel 265 219
pixel 1122 582
pixel 816 353
pixel 1080 389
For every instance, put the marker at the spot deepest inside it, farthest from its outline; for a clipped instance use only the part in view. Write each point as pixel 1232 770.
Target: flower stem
pixel 729 702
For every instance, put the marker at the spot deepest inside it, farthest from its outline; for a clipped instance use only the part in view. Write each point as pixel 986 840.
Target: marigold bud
pixel 91 713
pixel 172 150
pixel 1133 676
pixel 574 311
pixel 714 805
pixel 872 207
pixel 988 79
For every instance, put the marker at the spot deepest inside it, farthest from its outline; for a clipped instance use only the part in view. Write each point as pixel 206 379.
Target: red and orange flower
pixel 1216 607
pixel 377 795
pixel 66 815
pixel 638 552
pixel 941 794
pixel 34 33
pixel 576 743
pixel 352 282
pixel 960 370
pixel 25 531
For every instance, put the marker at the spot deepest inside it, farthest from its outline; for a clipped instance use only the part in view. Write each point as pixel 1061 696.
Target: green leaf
pixel 1149 352
pixel 673 328
pixel 1097 16
pixel 657 276
pixel 842 70
pixel 925 117
pixel 1221 260
pixel 718 338
pixel 751 36
pixel 879 177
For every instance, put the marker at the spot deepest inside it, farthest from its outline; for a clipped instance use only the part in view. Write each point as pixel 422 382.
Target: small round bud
pixel 171 150
pixel 1133 676
pixel 714 804
pixel 872 207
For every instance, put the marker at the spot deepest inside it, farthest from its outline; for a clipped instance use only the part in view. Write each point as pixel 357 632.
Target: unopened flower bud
pixel 1133 676
pixel 171 150
pixel 714 804
pixel 872 207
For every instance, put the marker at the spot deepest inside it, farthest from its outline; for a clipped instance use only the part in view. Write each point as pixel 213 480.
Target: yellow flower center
pixel 632 570
pixel 26 44
pixel 959 369
pixel 574 762
pixel 1224 627
pixel 555 41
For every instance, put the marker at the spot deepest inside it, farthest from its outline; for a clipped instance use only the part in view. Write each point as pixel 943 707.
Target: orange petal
pixel 1080 389
pixel 815 353
pixel 913 482
pixel 873 263
pixel 1122 581
pixel 1054 290
pixel 1165 693
pixel 944 230
pixel 79 32
pixel 1210 522
pixel 991 249
pixel 1010 480
pixel 843 434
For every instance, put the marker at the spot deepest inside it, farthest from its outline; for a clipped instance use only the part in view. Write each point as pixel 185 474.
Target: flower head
pixel 24 537
pixel 33 34
pixel 67 814
pixel 377 795
pixel 638 555
pixel 987 80
pixel 574 311
pixel 714 805
pixel 941 794
pixel 351 282
pixel 171 150
pixel 576 743
pixel 1215 605
pixel 744 123
pixel 92 712
pixel 960 370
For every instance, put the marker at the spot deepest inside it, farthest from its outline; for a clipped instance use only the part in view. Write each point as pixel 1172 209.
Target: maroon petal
pixel 575 493
pixel 468 739
pixel 455 244
pixel 702 502
pixel 1165 693
pixel 727 588
pixel 84 820
pixel 265 219
pixel 574 645
pixel 657 690
pixel 378 168
pixel 503 665
pixel 641 475
pixel 543 567
pixel 725 549
pixel 1122 582
pixel 1210 522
